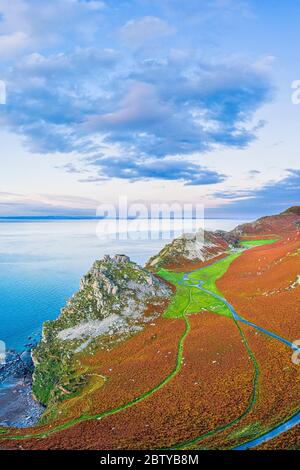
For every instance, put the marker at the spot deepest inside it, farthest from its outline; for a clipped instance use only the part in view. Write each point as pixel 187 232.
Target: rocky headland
pixel 116 299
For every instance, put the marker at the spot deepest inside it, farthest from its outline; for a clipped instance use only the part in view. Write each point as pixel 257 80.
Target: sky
pixel 156 100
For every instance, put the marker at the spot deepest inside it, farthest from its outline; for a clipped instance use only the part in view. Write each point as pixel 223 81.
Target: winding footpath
pixel 290 423
pixel 4 433
pixel 281 428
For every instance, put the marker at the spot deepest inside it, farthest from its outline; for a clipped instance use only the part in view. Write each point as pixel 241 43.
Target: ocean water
pixel 41 263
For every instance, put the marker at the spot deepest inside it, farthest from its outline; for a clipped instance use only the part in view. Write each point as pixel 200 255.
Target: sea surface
pixel 41 263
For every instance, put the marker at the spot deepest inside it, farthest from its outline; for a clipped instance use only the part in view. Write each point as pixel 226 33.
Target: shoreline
pixel 18 408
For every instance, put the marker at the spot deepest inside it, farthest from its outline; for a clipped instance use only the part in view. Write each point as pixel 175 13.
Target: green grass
pixel 200 301
pixel 253 243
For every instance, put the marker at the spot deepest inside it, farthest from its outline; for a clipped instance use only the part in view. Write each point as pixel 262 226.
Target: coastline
pixel 18 408
pixel 17 405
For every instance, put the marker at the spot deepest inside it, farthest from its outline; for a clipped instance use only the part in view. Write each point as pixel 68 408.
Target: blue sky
pixel 158 100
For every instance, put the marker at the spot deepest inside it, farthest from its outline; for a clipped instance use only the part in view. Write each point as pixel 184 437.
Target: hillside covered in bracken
pixel 286 222
pixel 194 351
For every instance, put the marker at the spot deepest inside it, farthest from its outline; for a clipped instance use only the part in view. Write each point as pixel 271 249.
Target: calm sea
pixel 41 263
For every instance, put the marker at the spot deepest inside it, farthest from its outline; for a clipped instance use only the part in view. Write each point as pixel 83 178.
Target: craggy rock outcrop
pixel 111 301
pixel 228 237
pixel 202 246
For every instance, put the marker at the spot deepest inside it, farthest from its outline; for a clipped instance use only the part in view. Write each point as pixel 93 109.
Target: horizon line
pixel 82 217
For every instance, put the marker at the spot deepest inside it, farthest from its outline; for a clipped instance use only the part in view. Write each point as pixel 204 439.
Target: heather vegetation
pixel 194 341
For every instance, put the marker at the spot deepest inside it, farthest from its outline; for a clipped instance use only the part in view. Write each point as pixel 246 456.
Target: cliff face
pixel 188 249
pixel 112 301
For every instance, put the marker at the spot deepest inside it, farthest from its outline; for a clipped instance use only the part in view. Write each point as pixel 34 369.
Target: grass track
pixel 133 402
pixel 253 399
pixel 190 443
pixel 201 300
pixel 254 243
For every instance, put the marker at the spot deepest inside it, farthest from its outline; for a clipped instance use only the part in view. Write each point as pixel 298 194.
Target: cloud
pixel 70 168
pixel 78 88
pixel 254 173
pixel 48 97
pixel 140 108
pixel 94 5
pixel 169 169
pixel 141 30
pixel 45 25
pixel 12 204
pixel 153 108
pixel 175 107
pixel 67 65
pixel 13 44
pixel 272 197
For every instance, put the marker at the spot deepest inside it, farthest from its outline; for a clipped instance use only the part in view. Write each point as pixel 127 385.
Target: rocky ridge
pixel 202 246
pixel 278 224
pixel 112 301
